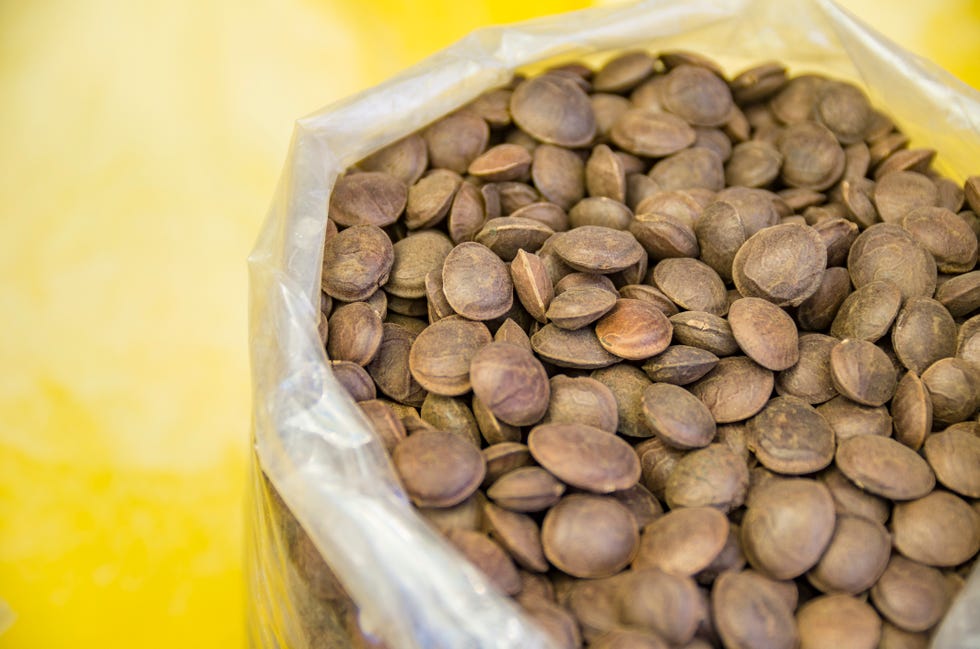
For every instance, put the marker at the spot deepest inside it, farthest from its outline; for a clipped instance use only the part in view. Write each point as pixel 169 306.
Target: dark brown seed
pixel 503 458
pixel 533 284
pixel 559 174
pixel 489 557
pixel 696 167
pixel 911 410
pixel 766 333
pixel 649 294
pixel 596 249
pixel 492 106
pixel 642 504
pixel 476 282
pixel 868 313
pixel 653 134
pixel 356 333
pixel 545 213
pixel 664 236
pixel 384 421
pixel 845 110
pixel 684 541
pixel 677 416
pixel 356 262
pixel 755 163
pixel 405 159
pixel 691 284
pixel 910 595
pixel 939 529
pixel 511 382
pixel 518 534
pixel 812 157
pixel 787 527
pixel 669 606
pixel 456 140
pixel 697 95
pixel 627 639
pixel 441 354
pixel 634 330
pixel 554 110
pixel 438 469
pixel 794 103
pixel 924 332
pixel 818 311
pixel 838 620
pixel 873 254
pixel 884 467
pixel 451 415
pixel 954 389
pixel 955 455
pixel 355 380
pixel 705 331
pixel 581 400
pixel 960 294
pixel 680 365
pixel 809 379
pixel 390 366
pixel 856 557
pixel 508 234
pixel 526 489
pixel 579 349
pixel 369 198
pixel 947 236
pixel 627 384
pixel 856 194
pixel 736 389
pixel 862 372
pixel 713 476
pixel 900 192
pixel 571 544
pixel 430 199
pixel 585 457
pixel 747 613
pixel 783 264
pixel 849 419
pixel 790 437
pixel 852 500
pixel 415 256
pixel 578 307
pixel 720 233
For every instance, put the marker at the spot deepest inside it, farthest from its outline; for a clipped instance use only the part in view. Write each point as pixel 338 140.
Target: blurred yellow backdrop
pixel 139 147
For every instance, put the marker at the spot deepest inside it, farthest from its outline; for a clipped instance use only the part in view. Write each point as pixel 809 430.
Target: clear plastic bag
pixel 321 481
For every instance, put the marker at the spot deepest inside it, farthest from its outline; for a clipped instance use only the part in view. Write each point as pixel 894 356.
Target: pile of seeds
pixel 677 360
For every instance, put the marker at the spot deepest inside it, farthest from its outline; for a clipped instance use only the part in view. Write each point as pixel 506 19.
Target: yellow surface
pixel 139 147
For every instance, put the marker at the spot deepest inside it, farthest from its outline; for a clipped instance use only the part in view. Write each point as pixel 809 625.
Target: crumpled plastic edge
pixel 312 441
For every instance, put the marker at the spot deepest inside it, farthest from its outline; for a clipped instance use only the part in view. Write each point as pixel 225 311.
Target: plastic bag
pixel 322 463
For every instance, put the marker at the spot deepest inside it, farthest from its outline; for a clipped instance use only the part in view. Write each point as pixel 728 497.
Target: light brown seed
pixel 440 355
pixel 369 198
pixel 554 110
pixel 533 284
pixel 585 457
pixel 438 469
pixel 390 366
pixel 644 132
pixel 947 236
pixel 578 349
pixel 356 262
pixel 736 389
pixel 627 384
pixel 526 489
pixel 809 379
pixel 939 529
pixel 405 159
pixel 911 410
pixel 634 330
pixel 923 333
pixel 356 329
pixel 415 256
pixel 696 167
pixel 900 192
pixel 571 545
pixel 489 557
pixel 960 294
pixel 838 620
pixel 583 400
pixel 518 534
pixel 684 541
pixel 576 308
pixel 873 254
pixel 856 557
pixel 596 249
pixel 954 455
pixel 502 162
pixel 476 282
pixel 697 95
pixel 954 389
pixel 384 422
pixel 748 613
pixel 354 379
pixel 559 174
pixel 862 372
pixel 910 595
pixel 755 163
pixel 601 211
pixel 868 313
pixel 677 416
pixel 680 365
pixel 623 72
pixel 812 157
pixel 783 264
pixel 451 415
pixel 713 476
pixel 692 285
pixel 508 234
pixel 765 332
pixel 511 382
pixel 667 605
pixel 456 140
pixel 605 175
pixel 430 199
pixel 884 467
pixel 845 110
pixel 790 437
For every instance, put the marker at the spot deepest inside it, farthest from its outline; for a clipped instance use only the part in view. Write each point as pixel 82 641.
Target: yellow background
pixel 140 143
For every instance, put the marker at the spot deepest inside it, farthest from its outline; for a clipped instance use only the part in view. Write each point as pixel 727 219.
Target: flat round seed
pixel 356 262
pixel 476 282
pixel 838 620
pixel 642 504
pixel 415 256
pixel 390 367
pixel 698 96
pixel 430 199
pixel 845 110
pixel 765 332
pixel 954 389
pixel 856 557
pixel 695 167
pixel 369 198
pixel 783 264
pixel 680 365
pixel 868 313
pixel 812 157
pixel 597 249
pixel 736 389
pixel 627 384
pixel 585 457
pixel 884 467
pixel 955 455
pixel 924 332
pixel 677 416
pixel 605 175
pixel 559 174
pixel 405 159
pixel 634 330
pixel 748 613
pixel 809 379
pixel 794 103
pixel 526 489
pixel 581 400
pixel 862 372
pixel 849 499
pixel 713 476
pixel 755 163
pixel 451 415
pixel 939 529
pixel 911 410
pixel 576 308
pixel 898 193
pixel 602 211
pixel 666 605
pixel 627 639
pixel 508 234
pixel 790 437
pixel 720 233
pixel 571 544
pixel 554 110
pixel 912 596
pixel 579 349
pixel 533 284
pixel 502 162
pixel 644 132
pixel 356 333
pixel 947 236
pixel 438 469
pixel 384 422
pixel 960 294
pixel 511 382
pixel 518 534
pixel 441 354
pixel 503 458
pixel 355 380
pixel 692 285
pixel 623 72
pixel 683 541
pixel 456 140
pixel 873 257
pixel 489 557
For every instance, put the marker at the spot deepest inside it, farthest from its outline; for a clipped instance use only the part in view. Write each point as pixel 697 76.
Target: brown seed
pixel 812 157
pixel 503 458
pixel 559 174
pixel 598 249
pixel 809 379
pixel 627 384
pixel 667 605
pixel 415 256
pixel 489 557
pixel 924 332
pixel 893 637
pixel 390 366
pixel 502 162
pixel 593 602
pixel 533 285
pixel 644 132
pixel 783 264
pixel 369 198
pixel 554 110
pixel 899 193
pixel 680 365
pixel 657 462
pixel 604 174
pixel 696 167
pixel 856 557
pixel 578 349
pixel 430 199
pixel 955 455
pixel 441 354
pixel 705 331
pixel 766 333
pixel 678 204
pixel 508 234
pixel 579 307
pixel 556 622
pixel 547 214
pixel 570 542
pixel 384 422
pixel 720 233
pixel 838 620
pixel 601 211
pixel 884 467
pixel 456 140
pixel 581 400
pixel 857 196
pixel 356 329
pixel 355 380
pixel 492 106
pixel 713 476
pixel 623 72
pixel 585 457
pixel 938 529
pixel 794 103
pixel 845 110
pixel 911 410
pixel 476 282
pixel 467 515
pixel 649 294
pixel 405 159
pixel 910 595
pixel 691 284
pixel 818 311
pixel 526 489
pixel 755 163
pixel 356 262
pixel 735 389
pixel 790 437
pixel 960 294
pixel 451 415
pixel 697 95
pixel 862 372
pixel 684 541
pixel 873 254
pixel 677 416
pixel 511 382
pixel 947 236
pixel 642 504
pixel 868 313
pixel 634 330
pixel 438 469
pixel 748 613
pixel 627 639
pixel 518 534
pixel 954 389
pixel 787 527
pixel 850 499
